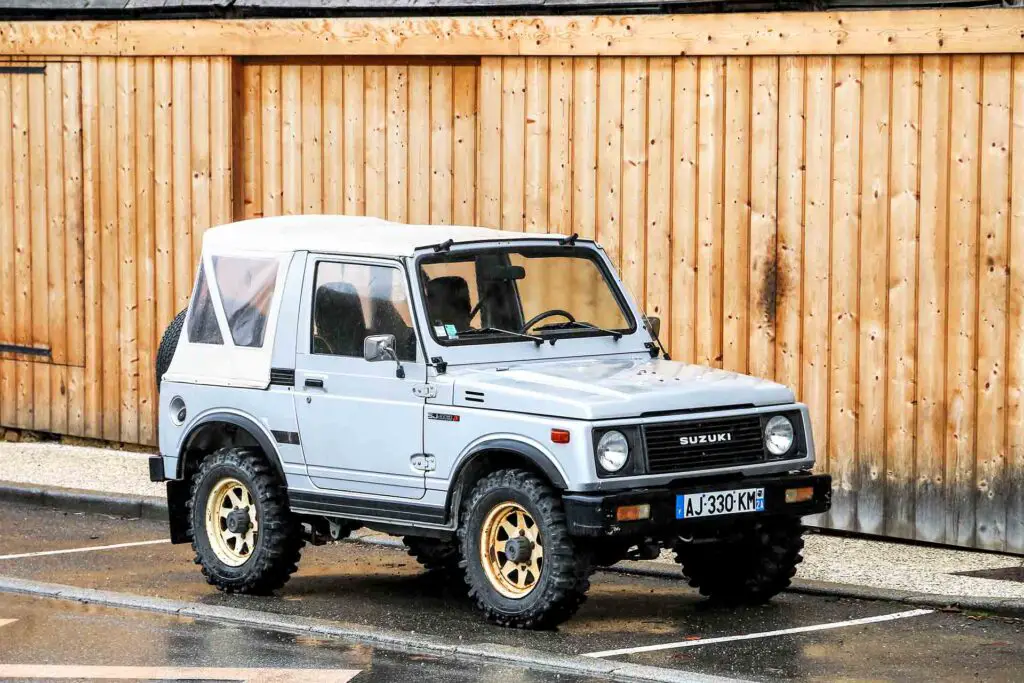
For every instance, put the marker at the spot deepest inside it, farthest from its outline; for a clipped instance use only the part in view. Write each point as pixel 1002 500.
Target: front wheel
pixel 750 568
pixel 244 535
pixel 522 567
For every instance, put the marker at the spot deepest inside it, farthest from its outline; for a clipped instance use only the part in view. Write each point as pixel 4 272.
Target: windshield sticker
pixel 451 331
pixel 440 331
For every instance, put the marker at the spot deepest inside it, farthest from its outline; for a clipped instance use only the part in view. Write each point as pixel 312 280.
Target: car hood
pixel 606 388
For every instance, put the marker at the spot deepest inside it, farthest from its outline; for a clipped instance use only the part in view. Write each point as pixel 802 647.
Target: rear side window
pixel 202 321
pixel 246 288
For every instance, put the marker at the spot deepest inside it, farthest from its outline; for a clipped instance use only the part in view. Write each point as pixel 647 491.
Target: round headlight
pixel 612 451
pixel 778 435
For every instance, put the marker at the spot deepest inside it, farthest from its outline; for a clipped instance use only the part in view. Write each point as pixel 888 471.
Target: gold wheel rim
pixel 511 579
pixel 233 549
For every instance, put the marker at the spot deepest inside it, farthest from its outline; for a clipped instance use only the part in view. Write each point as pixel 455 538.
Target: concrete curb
pixel 391 640
pixel 79 500
pixel 156 508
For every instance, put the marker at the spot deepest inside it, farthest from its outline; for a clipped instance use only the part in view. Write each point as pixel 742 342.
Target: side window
pixel 352 301
pixel 246 288
pixel 202 321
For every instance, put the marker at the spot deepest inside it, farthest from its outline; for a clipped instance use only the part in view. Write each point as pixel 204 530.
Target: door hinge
pixel 421 462
pixel 425 390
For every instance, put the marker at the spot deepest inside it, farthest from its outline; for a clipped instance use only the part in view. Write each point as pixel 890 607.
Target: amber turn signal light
pixel 560 435
pixel 632 513
pixel 800 495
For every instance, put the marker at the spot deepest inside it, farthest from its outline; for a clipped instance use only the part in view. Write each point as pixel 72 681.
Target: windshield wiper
pixel 578 323
pixel 491 330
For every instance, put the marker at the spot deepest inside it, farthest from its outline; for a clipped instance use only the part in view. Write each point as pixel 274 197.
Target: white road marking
pixel 764 634
pixel 83 550
pixel 151 673
pixel 4 622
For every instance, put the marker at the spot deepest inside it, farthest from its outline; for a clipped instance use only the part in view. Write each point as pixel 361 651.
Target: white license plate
pixel 715 503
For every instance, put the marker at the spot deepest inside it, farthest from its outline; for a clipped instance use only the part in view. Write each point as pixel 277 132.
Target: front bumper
pixel 594 515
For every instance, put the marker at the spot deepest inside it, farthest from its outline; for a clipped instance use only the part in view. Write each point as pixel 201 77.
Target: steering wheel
pixel 547 314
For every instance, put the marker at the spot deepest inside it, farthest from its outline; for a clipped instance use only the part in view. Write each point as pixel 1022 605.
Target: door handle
pixel 315 382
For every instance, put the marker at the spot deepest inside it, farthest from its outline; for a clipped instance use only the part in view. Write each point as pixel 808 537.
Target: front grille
pixel 666 453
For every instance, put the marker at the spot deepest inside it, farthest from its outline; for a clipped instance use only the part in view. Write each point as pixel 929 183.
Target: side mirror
pixel 378 347
pixel 654 325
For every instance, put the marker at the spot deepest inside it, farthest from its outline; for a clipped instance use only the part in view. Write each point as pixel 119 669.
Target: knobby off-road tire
pixel 277 542
pixel 564 575
pixel 168 343
pixel 748 570
pixel 434 554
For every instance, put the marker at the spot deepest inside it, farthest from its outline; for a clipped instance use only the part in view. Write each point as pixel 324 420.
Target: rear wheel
pixel 434 554
pixel 522 567
pixel 244 535
pixel 750 568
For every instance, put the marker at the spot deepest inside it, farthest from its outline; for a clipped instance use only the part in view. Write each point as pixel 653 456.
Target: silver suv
pixel 497 398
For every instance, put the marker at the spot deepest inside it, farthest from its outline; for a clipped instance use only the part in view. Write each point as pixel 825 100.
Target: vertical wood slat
pixel 22 246
pixel 397 143
pixel 109 264
pixel 291 139
pixel 843 284
pixel 657 229
pixel 993 287
pixel 685 157
pixel 8 396
pixel 311 158
pixel 816 243
pixel 608 230
pixel 145 250
pixel 874 285
pixel 710 177
pixel 125 229
pixel 489 167
pixel 91 220
pixel 929 502
pixel 74 244
pixel 1015 324
pixel 962 299
pixel 57 290
pixel 465 154
pixel 375 97
pixel 355 163
pixel 418 142
pixel 333 87
pixel 441 145
pixel 538 145
pixel 764 172
pixel 634 190
pixel 584 147
pixel 902 278
pixel 736 214
pixel 38 210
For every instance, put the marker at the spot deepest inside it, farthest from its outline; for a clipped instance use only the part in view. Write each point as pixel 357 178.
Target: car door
pixel 361 425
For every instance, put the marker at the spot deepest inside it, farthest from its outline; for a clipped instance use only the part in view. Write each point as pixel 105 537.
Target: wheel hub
pixel 519 549
pixel 238 521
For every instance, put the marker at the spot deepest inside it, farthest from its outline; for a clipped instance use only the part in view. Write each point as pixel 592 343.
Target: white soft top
pixel 356 235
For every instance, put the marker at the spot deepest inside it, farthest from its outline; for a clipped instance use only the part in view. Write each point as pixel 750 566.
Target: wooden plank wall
pixel 843 224
pixel 115 166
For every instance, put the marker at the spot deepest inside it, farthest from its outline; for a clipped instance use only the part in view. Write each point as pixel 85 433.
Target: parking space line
pixel 83 550
pixel 764 634
pixel 150 673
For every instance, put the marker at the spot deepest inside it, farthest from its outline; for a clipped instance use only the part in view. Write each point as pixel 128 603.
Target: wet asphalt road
pixel 370 585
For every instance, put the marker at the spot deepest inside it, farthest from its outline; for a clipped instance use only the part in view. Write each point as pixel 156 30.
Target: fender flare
pixel 250 426
pixel 528 451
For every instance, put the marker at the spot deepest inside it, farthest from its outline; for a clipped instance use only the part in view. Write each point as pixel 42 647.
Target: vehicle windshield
pixel 521 294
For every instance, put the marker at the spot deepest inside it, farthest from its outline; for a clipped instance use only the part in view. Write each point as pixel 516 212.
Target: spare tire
pixel 168 344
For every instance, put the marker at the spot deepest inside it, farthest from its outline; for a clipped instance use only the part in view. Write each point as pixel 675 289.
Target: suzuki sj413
pixel 499 399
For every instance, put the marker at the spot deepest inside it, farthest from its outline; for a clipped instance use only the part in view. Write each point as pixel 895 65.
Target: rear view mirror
pixel 379 347
pixel 653 323
pixel 502 272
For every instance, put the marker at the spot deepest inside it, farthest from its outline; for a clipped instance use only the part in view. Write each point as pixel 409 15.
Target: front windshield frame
pixel 581 249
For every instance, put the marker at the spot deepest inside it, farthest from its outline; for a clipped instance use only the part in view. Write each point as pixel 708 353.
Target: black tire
pixel 275 553
pixel 436 555
pixel 565 572
pixel 168 343
pixel 749 569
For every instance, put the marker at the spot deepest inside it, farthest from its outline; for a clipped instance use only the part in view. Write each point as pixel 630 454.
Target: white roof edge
pixel 358 235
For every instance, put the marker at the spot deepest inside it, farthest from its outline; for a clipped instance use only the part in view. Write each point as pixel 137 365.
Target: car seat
pixel 340 326
pixel 448 301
